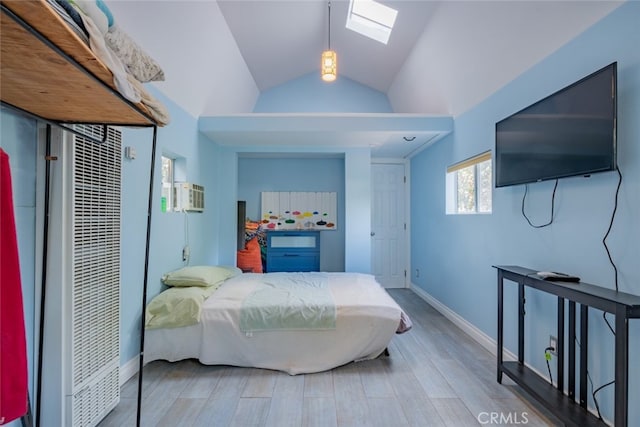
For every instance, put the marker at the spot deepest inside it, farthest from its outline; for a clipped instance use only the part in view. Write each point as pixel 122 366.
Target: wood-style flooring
pixel 436 375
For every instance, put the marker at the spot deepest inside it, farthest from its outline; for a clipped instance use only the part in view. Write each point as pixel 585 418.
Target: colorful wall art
pixel 289 210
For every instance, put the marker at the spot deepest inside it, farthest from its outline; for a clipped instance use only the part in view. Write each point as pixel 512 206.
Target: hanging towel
pixel 13 348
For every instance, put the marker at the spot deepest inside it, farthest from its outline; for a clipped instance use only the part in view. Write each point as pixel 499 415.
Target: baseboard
pixel 129 369
pixel 470 329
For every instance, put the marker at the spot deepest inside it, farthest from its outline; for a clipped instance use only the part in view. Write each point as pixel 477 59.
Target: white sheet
pixel 367 319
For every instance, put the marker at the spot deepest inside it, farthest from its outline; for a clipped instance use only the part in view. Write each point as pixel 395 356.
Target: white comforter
pixel 367 318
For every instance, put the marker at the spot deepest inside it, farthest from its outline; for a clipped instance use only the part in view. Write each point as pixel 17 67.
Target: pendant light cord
pixel 329 25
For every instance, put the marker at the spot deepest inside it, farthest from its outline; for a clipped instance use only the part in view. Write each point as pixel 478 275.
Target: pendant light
pixel 329 60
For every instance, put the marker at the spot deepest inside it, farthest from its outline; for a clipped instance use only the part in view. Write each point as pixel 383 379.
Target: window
pixel 469 185
pixel 167 184
pixel 371 19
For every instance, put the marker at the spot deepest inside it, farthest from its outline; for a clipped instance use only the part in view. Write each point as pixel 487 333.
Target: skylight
pixel 371 19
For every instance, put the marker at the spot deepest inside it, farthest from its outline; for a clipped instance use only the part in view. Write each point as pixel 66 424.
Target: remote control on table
pixel 557 277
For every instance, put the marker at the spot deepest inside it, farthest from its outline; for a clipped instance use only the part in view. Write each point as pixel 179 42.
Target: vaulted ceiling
pixel 282 40
pixel 443 57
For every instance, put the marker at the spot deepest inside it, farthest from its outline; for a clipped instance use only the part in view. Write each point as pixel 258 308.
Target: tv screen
pixel 571 132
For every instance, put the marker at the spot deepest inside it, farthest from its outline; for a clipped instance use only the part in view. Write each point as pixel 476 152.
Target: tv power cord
pixel 547 356
pixel 553 199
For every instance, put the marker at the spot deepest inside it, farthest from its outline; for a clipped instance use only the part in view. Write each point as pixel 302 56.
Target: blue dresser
pixel 293 250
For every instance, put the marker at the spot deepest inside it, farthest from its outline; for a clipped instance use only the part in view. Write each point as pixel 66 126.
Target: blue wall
pixel 180 139
pixel 455 252
pixel 356 210
pixel 256 175
pixel 310 94
pixel 349 249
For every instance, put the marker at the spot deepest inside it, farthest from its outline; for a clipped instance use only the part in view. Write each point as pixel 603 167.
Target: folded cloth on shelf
pixel 156 108
pixel 62 7
pixel 97 11
pixel 138 62
pixel 128 86
pixel 142 66
pixel 113 63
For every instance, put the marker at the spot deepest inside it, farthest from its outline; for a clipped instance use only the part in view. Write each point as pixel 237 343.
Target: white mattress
pixel 367 318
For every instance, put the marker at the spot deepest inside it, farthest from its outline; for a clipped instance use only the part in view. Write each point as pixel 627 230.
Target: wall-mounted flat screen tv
pixel 569 133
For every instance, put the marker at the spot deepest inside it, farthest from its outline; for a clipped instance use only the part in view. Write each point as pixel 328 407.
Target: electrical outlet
pixel 553 343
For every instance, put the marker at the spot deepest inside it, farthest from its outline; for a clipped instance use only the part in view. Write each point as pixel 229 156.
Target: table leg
pixel 560 344
pixel 584 345
pixel 521 313
pixel 621 395
pixel 572 350
pixel 500 324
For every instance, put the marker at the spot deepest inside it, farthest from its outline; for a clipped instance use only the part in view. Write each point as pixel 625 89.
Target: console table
pixel 622 305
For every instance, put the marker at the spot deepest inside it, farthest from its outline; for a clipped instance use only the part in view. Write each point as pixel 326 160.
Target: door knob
pixel 373 233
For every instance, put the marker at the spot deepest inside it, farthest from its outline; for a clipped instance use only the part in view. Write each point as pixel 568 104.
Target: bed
pixel 354 320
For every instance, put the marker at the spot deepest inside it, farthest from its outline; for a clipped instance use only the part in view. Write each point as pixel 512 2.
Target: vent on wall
pixel 188 197
pixel 96 273
pixel 82 329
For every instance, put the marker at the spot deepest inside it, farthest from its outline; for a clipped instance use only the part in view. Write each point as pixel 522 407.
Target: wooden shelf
pixel 567 410
pixel 61 81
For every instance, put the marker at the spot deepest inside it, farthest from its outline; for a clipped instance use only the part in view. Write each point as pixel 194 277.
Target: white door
pixel 388 225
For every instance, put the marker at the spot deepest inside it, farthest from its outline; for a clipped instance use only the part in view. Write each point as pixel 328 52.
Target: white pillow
pixel 201 275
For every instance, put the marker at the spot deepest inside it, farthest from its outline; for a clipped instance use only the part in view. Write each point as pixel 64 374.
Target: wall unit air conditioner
pixel 188 197
pixel 81 363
